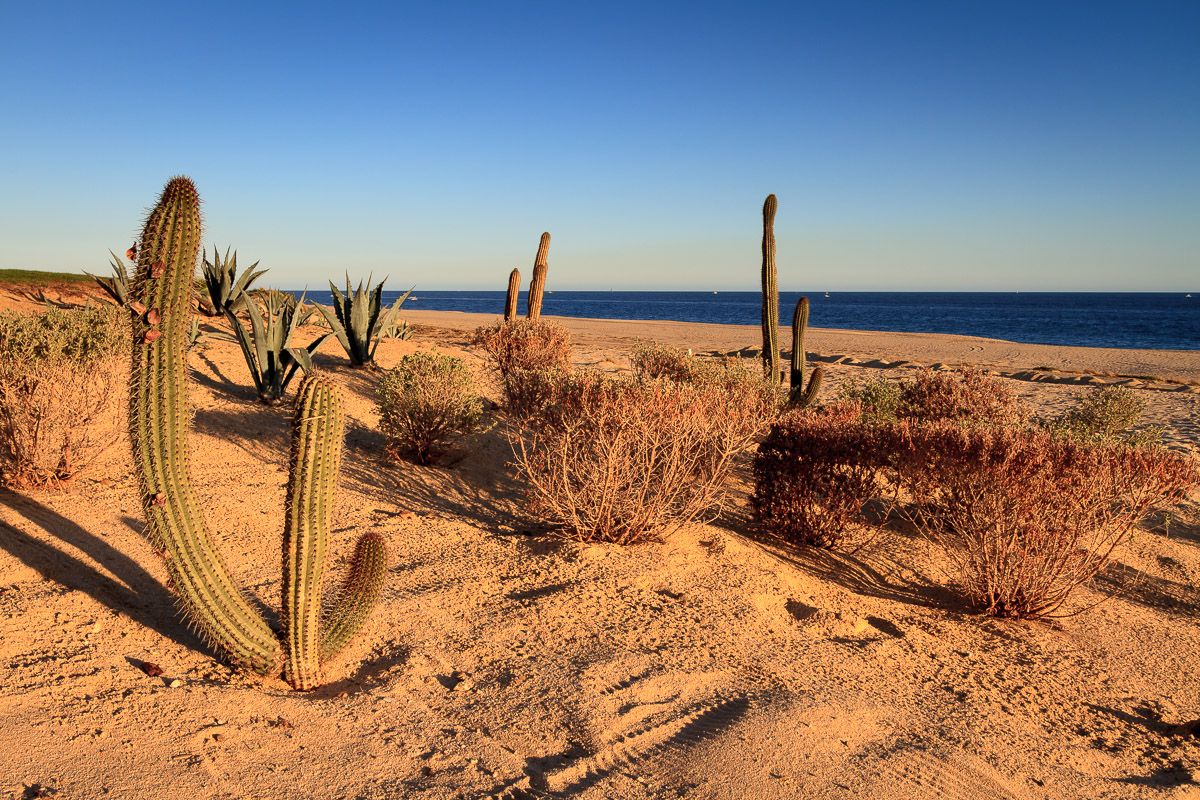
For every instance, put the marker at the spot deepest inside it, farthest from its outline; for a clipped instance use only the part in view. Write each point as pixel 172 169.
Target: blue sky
pixel 913 145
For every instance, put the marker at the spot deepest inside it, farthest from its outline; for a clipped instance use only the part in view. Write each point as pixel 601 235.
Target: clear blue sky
pixel 913 145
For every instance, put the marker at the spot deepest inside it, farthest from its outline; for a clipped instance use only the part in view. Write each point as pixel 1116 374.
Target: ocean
pixel 1137 320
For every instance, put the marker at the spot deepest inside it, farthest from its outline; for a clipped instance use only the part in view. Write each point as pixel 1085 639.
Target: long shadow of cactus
pixel 128 588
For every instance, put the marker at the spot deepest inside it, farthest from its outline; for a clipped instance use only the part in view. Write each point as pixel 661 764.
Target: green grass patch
pixel 38 277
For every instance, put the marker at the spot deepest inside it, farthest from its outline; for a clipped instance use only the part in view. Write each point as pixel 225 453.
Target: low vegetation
pixel 1108 415
pixel 969 396
pixel 530 357
pixel 426 401
pixel 1024 516
pixel 626 460
pixel 359 319
pixel 61 393
pixel 814 475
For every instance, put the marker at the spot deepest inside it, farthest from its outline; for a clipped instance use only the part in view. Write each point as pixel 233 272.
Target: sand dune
pixel 506 664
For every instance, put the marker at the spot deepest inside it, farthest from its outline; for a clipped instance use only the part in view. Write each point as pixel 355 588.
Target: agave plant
pixel 117 286
pixel 225 289
pixel 359 320
pixel 272 362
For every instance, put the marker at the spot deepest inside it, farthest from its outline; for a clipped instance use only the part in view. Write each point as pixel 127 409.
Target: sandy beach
pixel 504 663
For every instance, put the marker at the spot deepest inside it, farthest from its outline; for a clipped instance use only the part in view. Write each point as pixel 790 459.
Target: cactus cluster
pixel 160 306
pixel 537 283
pixel 798 393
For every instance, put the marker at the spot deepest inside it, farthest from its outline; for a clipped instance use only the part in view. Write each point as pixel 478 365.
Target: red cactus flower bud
pixel 151 336
pixel 152 317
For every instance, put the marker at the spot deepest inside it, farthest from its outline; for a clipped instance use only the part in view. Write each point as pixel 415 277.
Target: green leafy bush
pixel 426 401
pixel 61 392
pixel 878 398
pixel 1108 415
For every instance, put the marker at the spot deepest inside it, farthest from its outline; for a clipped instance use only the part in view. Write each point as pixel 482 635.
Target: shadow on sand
pixel 130 590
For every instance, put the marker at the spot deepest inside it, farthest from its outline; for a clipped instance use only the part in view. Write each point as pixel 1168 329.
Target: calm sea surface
pixel 1143 320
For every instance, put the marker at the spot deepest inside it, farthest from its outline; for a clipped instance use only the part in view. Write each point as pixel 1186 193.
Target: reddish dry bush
pixel 815 473
pixel 970 396
pixel 528 356
pixel 624 461
pixel 1026 517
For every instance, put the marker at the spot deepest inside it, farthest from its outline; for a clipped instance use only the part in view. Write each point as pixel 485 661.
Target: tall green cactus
pixel 537 283
pixel 160 306
pixel 770 295
pixel 158 421
pixel 514 291
pixel 799 395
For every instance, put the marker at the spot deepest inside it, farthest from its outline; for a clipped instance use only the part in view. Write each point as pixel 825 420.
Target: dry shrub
pixel 652 360
pixel 62 376
pixel 623 460
pixel 424 402
pixel 1024 516
pixel 969 396
pixel 814 474
pixel 1108 415
pixel 528 357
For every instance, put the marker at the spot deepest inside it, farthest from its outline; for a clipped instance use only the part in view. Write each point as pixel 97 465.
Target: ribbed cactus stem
pixel 537 284
pixel 358 594
pixel 799 356
pixel 317 431
pixel 514 290
pixel 770 295
pixel 799 394
pixel 158 424
pixel 808 395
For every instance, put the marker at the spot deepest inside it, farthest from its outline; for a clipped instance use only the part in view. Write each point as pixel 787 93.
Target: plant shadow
pixel 130 590
pixel 1136 586
pixel 881 567
pixel 478 487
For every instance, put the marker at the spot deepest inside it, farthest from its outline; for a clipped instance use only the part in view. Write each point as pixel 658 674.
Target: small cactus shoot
pixel 514 291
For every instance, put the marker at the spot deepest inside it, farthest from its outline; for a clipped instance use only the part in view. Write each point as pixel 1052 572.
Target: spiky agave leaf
pixel 272 361
pixel 359 320
pixel 116 286
pixel 226 290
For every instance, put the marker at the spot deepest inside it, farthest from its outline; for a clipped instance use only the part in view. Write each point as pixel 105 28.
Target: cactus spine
pixel 317 431
pixel 799 395
pixel 158 424
pixel 770 295
pixel 537 284
pixel 160 307
pixel 514 290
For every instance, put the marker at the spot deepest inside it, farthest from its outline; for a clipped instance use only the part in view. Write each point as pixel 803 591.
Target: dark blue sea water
pixel 1141 320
